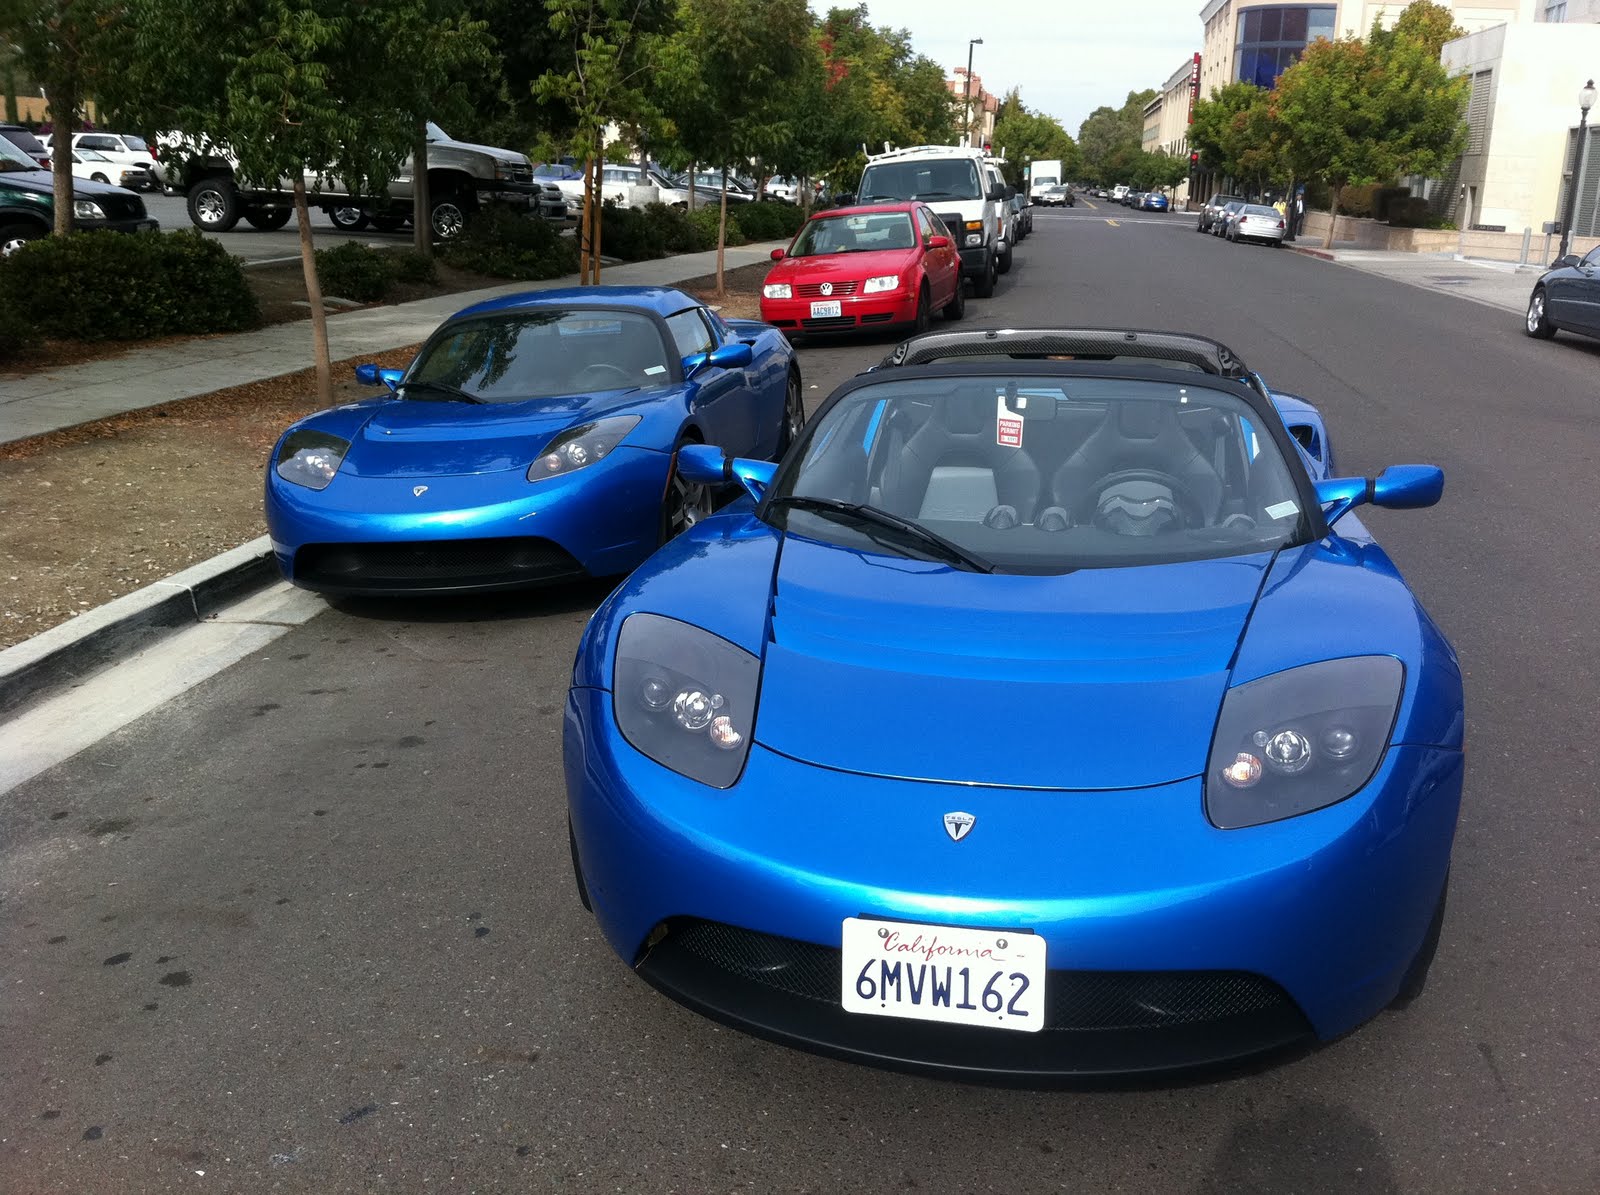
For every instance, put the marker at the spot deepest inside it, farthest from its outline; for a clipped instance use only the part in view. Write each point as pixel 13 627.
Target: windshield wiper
pixel 454 392
pixel 859 514
pixel 876 198
pixel 941 195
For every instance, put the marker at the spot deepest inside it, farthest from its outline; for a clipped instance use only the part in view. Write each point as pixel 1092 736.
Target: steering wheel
pixel 1190 510
pixel 602 376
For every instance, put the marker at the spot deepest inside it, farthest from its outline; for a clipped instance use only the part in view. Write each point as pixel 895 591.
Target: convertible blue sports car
pixel 533 439
pixel 1046 712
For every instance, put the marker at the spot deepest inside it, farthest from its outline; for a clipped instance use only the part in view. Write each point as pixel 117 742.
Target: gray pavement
pixel 144 377
pixel 310 925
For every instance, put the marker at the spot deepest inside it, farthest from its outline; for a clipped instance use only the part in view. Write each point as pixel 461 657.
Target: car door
pixel 1584 289
pixel 720 400
pixel 941 266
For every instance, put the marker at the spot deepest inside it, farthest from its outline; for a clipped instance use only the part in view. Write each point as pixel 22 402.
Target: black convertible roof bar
pixel 1091 344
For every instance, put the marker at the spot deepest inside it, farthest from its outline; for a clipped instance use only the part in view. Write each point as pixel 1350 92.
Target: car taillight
pixel 1280 223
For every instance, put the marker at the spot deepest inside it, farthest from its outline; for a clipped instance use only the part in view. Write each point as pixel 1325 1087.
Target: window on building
pixel 1478 111
pixel 1271 40
pixel 1556 11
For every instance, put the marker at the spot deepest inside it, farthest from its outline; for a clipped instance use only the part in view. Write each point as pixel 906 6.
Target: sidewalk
pixel 1499 284
pixel 147 377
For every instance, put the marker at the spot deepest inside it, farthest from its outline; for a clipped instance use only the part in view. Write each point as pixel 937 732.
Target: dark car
pixel 1212 208
pixel 26 142
pixel 27 202
pixel 1567 298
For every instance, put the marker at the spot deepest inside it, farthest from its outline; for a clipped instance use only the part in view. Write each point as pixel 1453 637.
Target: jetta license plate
pixel 942 973
pixel 827 310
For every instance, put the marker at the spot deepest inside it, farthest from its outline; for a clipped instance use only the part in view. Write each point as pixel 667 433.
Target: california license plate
pixel 827 310
pixel 941 973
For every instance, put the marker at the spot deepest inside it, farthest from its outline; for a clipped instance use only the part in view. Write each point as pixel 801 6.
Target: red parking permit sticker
pixel 1007 425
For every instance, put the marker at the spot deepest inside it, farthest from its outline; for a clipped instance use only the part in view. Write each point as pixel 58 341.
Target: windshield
pixel 545 354
pixel 933 178
pixel 855 234
pixel 13 159
pixel 1045 474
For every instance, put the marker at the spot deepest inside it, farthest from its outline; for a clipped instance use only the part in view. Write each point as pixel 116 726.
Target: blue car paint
pixel 1125 875
pixel 473 459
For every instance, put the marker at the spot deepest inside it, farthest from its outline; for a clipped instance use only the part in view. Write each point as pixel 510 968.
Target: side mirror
pixel 844 199
pixel 726 356
pixel 706 464
pixel 1565 262
pixel 371 375
pixel 938 242
pixel 1011 192
pixel 1399 487
pixel 778 255
pixel 997 193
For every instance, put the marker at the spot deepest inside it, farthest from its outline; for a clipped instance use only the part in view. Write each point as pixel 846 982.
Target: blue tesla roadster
pixel 534 438
pixel 1047 712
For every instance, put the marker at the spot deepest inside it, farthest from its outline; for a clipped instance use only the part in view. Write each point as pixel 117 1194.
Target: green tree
pixel 1214 134
pixel 1030 136
pixel 1111 138
pixel 291 88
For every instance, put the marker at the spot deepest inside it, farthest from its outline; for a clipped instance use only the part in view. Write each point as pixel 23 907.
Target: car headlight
pixel 685 697
pixel 1300 740
pixel 311 458
pixel 580 446
pixel 87 209
pixel 884 282
pixel 974 238
pixel 777 290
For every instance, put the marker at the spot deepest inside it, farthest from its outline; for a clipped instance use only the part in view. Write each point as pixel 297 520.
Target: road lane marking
pixel 1112 222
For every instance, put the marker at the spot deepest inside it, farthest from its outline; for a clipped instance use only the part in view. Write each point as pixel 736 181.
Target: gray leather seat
pixel 1136 435
pixel 952 469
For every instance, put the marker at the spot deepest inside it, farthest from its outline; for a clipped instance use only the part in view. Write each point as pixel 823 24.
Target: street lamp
pixel 966 104
pixel 1585 102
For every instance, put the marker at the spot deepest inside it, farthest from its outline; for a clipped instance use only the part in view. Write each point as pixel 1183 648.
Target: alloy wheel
pixel 448 220
pixel 687 503
pixel 209 206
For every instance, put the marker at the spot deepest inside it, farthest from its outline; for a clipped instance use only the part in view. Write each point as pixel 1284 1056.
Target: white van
pixel 963 191
pixel 1118 191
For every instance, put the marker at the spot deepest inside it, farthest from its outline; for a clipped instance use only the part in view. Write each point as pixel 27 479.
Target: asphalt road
pixel 312 927
pixel 256 246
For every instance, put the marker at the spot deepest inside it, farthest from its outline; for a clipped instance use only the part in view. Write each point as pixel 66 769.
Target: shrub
pixel 16 333
pixel 766 221
pixel 116 286
pixel 679 234
pixel 503 244
pixel 415 267
pixel 1358 201
pixel 707 219
pixel 350 270
pixel 631 233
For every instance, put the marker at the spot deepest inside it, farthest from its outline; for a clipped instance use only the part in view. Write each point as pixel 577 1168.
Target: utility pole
pixel 966 104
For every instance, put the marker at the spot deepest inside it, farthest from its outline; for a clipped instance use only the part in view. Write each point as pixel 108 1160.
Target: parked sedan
pixel 1257 222
pixel 535 438
pixel 1047 777
pixel 1212 209
pixel 96 167
pixel 1566 298
pixel 870 268
pixel 1153 201
pixel 1057 196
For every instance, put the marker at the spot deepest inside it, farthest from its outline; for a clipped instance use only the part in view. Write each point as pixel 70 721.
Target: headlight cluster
pixel 87 209
pixel 1300 740
pixel 580 446
pixel 311 458
pixel 880 284
pixel 685 697
pixel 777 290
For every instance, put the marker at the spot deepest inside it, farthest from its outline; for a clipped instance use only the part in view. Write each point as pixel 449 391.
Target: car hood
pixel 42 182
pixel 1098 679
pixel 842 267
pixel 444 439
pixel 504 155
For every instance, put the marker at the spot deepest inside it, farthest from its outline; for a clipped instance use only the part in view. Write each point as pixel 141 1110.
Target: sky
pixel 1068 56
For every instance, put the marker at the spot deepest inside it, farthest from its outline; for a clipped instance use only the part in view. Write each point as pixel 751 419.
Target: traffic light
pixel 1194 157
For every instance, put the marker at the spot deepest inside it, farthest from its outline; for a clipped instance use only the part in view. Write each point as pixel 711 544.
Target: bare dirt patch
pixel 92 512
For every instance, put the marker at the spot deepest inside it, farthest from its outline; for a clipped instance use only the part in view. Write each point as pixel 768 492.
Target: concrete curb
pixel 68 653
pixel 1319 254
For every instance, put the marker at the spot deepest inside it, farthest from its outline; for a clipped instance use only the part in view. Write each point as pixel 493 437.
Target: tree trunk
pixel 599 219
pixel 319 317
pixel 586 222
pixel 722 236
pixel 1333 214
pixel 693 166
pixel 63 101
pixel 421 197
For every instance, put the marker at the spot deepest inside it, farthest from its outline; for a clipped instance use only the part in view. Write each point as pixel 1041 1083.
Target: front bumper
pixel 1298 930
pixel 884 310
pixel 139 224
pixel 468 533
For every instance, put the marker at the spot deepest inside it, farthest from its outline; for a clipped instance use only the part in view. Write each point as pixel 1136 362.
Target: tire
pixel 388 223
pixel 1003 265
pixel 449 216
pixel 1416 977
pixel 1537 324
pixel 684 504
pixel 214 204
pixel 15 236
pixel 924 312
pixel 957 306
pixel 983 284
pixel 794 416
pixel 348 219
pixel 99 178
pixel 267 219
pixel 1199 227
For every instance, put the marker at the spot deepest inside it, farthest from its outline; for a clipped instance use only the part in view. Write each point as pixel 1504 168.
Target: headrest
pixel 1138 420
pixel 969 413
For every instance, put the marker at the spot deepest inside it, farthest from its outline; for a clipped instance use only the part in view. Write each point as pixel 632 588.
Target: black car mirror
pixel 1565 262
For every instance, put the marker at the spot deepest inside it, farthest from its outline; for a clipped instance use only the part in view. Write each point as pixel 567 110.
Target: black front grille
pixel 831 324
pixel 1098 1023
pixel 121 207
pixel 881 317
pixel 955 225
pixel 441 565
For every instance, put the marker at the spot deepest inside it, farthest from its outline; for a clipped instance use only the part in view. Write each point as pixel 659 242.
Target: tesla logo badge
pixel 958 825
pixel 418 490
pixel 826 288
